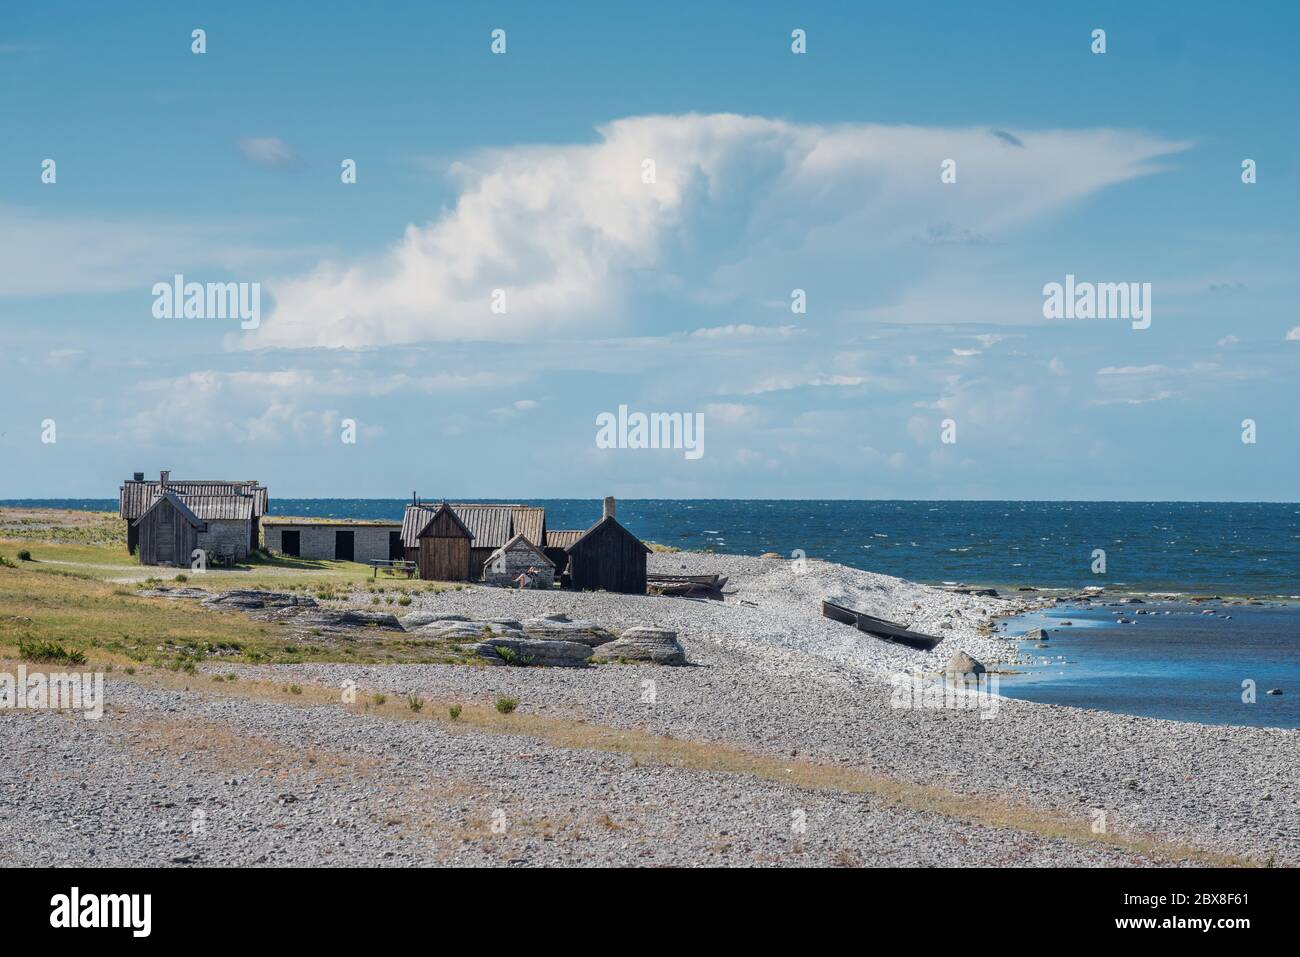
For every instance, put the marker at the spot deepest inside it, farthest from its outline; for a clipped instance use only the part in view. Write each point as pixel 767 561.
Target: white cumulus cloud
pixel 571 233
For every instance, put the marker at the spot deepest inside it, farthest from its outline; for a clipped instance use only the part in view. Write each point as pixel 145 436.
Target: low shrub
pixel 506 704
pixel 49 652
pixel 454 711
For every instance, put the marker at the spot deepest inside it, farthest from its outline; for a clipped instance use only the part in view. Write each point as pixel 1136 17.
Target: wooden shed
pixel 444 546
pixel 168 531
pixel 490 526
pixel 608 558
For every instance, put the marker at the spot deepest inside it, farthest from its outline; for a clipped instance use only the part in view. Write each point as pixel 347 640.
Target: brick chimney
pixel 608 511
pixel 138 477
pixel 163 477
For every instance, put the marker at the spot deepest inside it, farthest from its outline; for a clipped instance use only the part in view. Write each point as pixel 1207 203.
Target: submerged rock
pixel 1036 634
pixel 657 646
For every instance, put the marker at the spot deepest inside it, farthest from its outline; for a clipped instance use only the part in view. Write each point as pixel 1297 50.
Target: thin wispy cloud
pixel 270 152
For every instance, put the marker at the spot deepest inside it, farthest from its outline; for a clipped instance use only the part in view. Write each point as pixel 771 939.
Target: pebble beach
pixel 277 783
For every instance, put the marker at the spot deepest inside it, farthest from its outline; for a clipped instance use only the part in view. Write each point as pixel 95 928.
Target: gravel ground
pixel 279 784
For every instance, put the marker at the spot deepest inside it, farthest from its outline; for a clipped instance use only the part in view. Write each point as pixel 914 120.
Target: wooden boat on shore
pixel 879 627
pixel 687 586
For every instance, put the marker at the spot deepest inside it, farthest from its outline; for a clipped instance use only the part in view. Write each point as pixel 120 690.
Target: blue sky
pixel 773 172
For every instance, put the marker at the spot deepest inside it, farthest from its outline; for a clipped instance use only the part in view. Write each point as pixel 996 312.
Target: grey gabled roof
pixel 135 498
pixel 514 543
pixel 490 525
pixel 220 507
pixel 562 537
pixel 180 506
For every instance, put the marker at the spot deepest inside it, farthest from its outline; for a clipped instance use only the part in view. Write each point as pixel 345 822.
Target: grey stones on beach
pixel 420 618
pixel 559 628
pixel 250 599
pixel 347 618
pixel 526 651
pixel 173 593
pixel 963 664
pixel 656 646
pixel 552 640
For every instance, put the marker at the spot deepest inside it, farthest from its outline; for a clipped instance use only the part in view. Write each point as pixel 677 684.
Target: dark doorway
pixel 290 543
pixel 395 550
pixel 344 545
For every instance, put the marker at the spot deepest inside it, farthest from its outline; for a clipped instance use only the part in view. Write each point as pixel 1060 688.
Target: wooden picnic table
pixel 395 565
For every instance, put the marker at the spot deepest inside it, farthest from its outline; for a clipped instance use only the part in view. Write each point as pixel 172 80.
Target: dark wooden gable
pixel 609 558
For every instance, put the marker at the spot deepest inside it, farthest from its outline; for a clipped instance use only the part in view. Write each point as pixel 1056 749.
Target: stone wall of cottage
pixel 505 567
pixel 370 542
pixel 225 538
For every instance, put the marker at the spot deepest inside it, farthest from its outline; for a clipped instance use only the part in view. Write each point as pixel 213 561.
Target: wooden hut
pixel 516 557
pixel 174 526
pixel 168 532
pixel 443 548
pixel 137 494
pixel 490 527
pixel 608 558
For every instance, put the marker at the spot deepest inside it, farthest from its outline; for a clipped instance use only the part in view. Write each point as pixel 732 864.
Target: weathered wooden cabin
pixel 490 527
pixel 443 546
pixel 517 557
pixel 168 532
pixel 175 526
pixel 136 495
pixel 607 557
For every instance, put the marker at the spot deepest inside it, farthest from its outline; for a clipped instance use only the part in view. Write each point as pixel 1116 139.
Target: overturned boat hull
pixel 879 627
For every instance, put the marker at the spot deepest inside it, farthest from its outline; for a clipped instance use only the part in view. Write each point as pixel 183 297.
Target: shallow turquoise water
pixel 1175 662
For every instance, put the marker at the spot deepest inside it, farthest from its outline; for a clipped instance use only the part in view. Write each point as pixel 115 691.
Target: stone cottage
pixel 517 557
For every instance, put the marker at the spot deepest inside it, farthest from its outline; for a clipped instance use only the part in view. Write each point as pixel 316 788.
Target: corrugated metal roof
pixel 563 537
pixel 134 498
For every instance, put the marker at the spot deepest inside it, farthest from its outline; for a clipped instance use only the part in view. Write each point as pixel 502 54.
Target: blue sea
pixel 1209 662
pixel 1182 665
